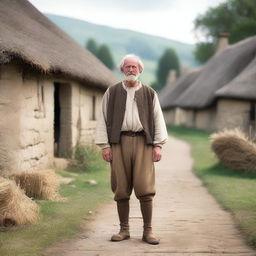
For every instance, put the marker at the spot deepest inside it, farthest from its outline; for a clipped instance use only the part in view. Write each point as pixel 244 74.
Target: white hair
pixel 131 56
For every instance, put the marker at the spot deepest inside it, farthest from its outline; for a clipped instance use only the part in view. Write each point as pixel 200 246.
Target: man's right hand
pixel 107 154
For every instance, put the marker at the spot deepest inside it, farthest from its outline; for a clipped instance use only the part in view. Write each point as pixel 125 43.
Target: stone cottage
pixel 218 72
pixel 170 93
pixel 50 89
pixel 236 103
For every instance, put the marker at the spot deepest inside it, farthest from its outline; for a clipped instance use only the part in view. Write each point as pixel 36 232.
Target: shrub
pixel 87 158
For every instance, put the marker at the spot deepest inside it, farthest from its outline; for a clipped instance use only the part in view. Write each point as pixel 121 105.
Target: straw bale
pixel 39 184
pixel 15 207
pixel 234 150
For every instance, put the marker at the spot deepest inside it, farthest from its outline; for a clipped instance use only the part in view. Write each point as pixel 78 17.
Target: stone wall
pixel 77 121
pixel 27 118
pixel 169 116
pixel 232 114
pixel 36 123
pixel 86 104
pixel 190 118
pixel 180 116
pixel 10 100
pixel 205 119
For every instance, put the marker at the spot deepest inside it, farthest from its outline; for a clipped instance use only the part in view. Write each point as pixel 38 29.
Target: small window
pixel 253 111
pixel 93 113
pixel 252 121
pixel 40 110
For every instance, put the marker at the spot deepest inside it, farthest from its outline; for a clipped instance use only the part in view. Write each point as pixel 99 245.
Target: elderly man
pixel 131 132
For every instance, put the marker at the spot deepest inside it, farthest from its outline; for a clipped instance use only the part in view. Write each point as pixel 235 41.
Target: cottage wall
pixel 180 116
pixel 10 100
pixel 79 106
pixel 27 114
pixel 205 119
pixel 36 123
pixel 232 114
pixel 190 118
pixel 185 117
pixel 169 116
pixel 86 104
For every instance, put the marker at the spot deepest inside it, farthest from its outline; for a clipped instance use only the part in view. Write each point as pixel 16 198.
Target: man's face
pixel 131 67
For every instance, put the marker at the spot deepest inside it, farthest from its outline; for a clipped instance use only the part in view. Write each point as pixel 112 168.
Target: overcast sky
pixel 171 19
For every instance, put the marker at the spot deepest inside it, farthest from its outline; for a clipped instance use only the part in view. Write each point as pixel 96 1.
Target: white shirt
pixel 131 120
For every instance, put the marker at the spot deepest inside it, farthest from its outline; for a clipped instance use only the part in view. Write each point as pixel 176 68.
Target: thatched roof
pixel 169 94
pixel 27 35
pixel 219 71
pixel 243 86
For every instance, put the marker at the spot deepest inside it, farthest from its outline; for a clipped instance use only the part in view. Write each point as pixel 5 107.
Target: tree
pixel 204 51
pixel 105 56
pixel 102 52
pixel 214 21
pixel 155 86
pixel 91 46
pixel 167 61
pixel 236 17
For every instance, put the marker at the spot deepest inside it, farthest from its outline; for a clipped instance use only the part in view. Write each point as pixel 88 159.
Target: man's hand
pixel 157 154
pixel 107 154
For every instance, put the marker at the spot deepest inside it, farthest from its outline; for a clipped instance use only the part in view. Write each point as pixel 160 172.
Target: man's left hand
pixel 157 154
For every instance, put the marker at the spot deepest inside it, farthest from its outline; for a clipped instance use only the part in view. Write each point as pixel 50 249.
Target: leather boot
pixel 148 237
pixel 123 213
pixel 146 210
pixel 122 235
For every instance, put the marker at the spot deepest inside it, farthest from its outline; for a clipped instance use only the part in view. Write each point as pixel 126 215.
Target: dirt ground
pixel 186 218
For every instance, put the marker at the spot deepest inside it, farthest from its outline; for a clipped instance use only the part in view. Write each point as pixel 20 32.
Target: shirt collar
pixel 137 87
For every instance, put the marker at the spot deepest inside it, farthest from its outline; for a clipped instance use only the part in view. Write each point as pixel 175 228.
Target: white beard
pixel 132 78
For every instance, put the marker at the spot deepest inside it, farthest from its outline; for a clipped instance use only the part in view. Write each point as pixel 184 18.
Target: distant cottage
pixel 220 95
pixel 237 101
pixel 50 89
pixel 169 95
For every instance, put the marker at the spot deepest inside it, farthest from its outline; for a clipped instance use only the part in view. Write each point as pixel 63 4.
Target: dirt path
pixel 186 219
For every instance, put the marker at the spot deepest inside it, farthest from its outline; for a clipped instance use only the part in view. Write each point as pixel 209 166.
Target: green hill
pixel 122 41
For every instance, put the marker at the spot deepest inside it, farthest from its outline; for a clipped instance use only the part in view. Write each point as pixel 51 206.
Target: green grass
pixel 234 190
pixel 61 219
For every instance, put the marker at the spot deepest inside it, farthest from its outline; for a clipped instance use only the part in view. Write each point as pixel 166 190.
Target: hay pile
pixel 15 207
pixel 234 150
pixel 39 184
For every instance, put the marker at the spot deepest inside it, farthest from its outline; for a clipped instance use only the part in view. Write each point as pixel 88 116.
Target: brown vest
pixel 116 110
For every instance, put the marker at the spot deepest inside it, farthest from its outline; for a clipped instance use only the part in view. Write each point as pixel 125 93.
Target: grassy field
pixel 234 190
pixel 61 219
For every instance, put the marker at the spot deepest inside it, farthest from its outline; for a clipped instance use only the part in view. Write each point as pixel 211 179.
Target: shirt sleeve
pixel 161 135
pixel 101 136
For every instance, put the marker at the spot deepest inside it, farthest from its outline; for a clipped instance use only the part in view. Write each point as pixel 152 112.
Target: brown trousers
pixel 132 168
